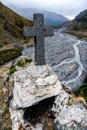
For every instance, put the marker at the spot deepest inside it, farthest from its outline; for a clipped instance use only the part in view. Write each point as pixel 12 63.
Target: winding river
pixel 66 55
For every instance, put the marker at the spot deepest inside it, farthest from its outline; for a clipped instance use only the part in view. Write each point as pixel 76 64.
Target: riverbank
pixel 79 34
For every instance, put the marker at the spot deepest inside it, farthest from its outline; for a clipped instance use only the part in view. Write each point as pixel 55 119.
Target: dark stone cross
pixel 39 32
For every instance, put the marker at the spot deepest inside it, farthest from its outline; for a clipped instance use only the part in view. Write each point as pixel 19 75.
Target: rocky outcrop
pixel 34 84
pixel 39 98
pixel 70 115
pixel 31 85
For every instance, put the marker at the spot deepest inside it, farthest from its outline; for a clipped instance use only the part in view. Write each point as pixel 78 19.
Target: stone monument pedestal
pixel 31 85
pixel 34 88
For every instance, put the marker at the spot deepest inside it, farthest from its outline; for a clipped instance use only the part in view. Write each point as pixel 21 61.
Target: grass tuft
pixel 69 103
pixel 12 70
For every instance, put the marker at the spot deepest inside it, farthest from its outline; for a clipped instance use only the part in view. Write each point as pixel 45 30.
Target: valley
pixel 65 54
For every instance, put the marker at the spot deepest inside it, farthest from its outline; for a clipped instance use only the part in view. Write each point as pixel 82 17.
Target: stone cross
pixel 39 32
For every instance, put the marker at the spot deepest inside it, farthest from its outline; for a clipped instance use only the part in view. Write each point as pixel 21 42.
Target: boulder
pixel 34 87
pixel 31 85
pixel 69 114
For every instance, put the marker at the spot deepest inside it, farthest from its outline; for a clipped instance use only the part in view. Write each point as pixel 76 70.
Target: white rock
pixel 69 117
pixel 36 83
pixel 37 127
pixel 71 113
pixel 60 101
pixel 17 118
pixel 49 80
pixel 31 85
pixel 30 89
pixel 38 71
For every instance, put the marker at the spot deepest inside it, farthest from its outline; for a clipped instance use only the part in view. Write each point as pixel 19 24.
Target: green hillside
pixel 81 20
pixel 11 25
pixel 11 34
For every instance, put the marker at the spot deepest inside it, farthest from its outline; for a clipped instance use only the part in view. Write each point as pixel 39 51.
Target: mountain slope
pixel 81 20
pixel 82 17
pixel 79 23
pixel 11 24
pixel 78 26
pixel 51 18
pixel 11 34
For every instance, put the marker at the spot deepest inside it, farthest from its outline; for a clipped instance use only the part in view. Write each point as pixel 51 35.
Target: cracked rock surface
pixel 33 85
pixel 69 114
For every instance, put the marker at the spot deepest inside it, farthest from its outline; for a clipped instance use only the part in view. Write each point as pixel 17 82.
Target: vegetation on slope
pixel 11 25
pixel 11 31
pixel 10 54
pixel 6 89
pixel 78 26
pixel 82 91
pixel 79 34
pixel 5 121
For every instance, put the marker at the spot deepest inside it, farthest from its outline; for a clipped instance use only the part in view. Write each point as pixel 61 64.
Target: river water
pixel 66 55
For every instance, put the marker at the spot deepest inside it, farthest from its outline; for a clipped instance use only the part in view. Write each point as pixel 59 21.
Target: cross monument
pixel 39 32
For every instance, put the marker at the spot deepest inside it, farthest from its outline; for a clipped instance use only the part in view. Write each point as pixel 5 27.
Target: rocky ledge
pixel 40 102
pixel 70 113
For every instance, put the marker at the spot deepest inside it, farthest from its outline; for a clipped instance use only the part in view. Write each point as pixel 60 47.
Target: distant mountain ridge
pixel 79 23
pixel 82 17
pixel 51 18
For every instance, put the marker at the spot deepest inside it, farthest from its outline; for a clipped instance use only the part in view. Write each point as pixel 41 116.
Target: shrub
pixel 12 70
pixel 23 62
pixel 82 91
pixel 69 103
pixel 7 55
pixel 28 60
